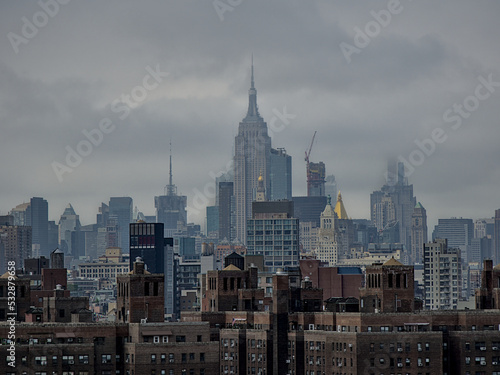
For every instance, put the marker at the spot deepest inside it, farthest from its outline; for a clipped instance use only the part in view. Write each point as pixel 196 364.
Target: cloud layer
pixel 391 96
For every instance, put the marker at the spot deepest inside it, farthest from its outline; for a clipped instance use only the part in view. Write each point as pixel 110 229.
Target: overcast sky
pixel 371 78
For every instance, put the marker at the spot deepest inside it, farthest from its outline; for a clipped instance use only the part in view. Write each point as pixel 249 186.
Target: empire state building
pixel 252 152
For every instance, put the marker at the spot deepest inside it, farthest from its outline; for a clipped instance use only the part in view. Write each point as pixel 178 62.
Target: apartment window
pixel 163 358
pixel 191 356
pixel 184 357
pixel 202 357
pixel 83 359
pixel 180 338
pixel 68 360
pixel 153 358
pixel 106 358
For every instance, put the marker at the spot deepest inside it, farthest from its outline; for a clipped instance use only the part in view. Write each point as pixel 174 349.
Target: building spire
pixel 170 188
pixel 252 82
pixel 253 110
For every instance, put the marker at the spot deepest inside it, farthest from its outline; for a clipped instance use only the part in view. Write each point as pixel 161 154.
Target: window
pixel 180 338
pixel 191 356
pixel 106 358
pixel 163 358
pixel 68 360
pixel 153 358
pixel 202 357
pixel 184 357
pixel 83 359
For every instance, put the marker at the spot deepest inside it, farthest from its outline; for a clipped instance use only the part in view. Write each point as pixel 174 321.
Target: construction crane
pixel 308 172
pixel 310 148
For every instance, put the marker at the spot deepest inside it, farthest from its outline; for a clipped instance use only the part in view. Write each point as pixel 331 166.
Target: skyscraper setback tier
pixel 251 159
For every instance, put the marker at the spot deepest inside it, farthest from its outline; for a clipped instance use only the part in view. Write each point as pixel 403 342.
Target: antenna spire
pixel 252 83
pixel 170 188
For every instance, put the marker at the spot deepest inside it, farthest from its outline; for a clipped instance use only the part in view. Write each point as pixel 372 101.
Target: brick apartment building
pixel 295 336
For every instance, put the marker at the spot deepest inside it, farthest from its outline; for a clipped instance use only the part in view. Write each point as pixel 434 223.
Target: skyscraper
pixel 251 158
pixel 281 175
pixel 157 253
pixel 458 231
pixel 330 186
pixel 418 233
pixel 226 211
pixel 496 239
pixel 40 225
pixel 69 226
pixel 15 243
pixel 170 207
pixel 394 202
pixel 316 179
pixel 121 209
pixel 327 236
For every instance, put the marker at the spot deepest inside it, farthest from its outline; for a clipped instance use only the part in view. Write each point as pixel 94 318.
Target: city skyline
pixel 365 111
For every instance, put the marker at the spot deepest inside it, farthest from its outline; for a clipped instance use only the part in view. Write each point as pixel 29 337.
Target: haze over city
pixel 427 72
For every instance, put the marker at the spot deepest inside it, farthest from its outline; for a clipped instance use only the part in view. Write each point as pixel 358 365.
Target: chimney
pixel 138 266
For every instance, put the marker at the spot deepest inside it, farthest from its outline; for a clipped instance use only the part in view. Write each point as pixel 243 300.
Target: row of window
pixel 171 358
pixel 43 360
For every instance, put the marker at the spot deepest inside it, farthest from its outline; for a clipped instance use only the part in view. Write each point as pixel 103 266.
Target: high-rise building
pixel 442 275
pixel 345 229
pixel 251 158
pixel 121 210
pixel 226 211
pixel 327 236
pixel 281 175
pixel 458 231
pixel 394 202
pixel 274 233
pixel 484 227
pixel 53 235
pixel 496 238
pixel 308 210
pixel 316 179
pixel 331 186
pixel 21 214
pixel 157 255
pixel 170 207
pixel 69 227
pixel 15 244
pixel 213 221
pixel 40 225
pixel 418 233
pixel 147 242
